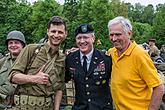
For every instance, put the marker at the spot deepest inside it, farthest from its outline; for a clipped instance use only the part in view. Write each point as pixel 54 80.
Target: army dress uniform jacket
pixel 92 88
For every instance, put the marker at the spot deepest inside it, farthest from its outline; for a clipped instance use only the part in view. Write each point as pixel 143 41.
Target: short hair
pixel 121 20
pixel 57 20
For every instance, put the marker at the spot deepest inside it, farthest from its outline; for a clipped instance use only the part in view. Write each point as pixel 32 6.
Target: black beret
pixel 83 29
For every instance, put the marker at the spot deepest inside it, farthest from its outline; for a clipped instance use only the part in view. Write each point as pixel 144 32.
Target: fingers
pixel 73 49
pixel 45 80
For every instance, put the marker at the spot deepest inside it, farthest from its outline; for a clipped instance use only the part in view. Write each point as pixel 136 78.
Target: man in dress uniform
pixel 39 71
pixel 15 42
pixel 91 70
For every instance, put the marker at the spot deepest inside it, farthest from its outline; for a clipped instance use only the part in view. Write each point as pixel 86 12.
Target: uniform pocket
pixel 16 100
pixel 23 99
pixel 32 101
pixel 48 102
pixel 40 101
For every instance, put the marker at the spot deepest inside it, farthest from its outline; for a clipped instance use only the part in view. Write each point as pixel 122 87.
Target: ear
pixel 93 39
pixel 47 31
pixel 130 34
pixel 66 34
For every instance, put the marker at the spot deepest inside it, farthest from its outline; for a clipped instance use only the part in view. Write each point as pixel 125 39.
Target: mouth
pixel 83 45
pixel 55 39
pixel 115 43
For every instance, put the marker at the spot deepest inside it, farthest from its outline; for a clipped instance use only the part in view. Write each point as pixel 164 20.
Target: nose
pixel 113 38
pixel 12 44
pixel 56 33
pixel 82 40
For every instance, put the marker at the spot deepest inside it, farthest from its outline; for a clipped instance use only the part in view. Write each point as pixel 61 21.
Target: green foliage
pixel 14 18
pixel 141 32
pixel 101 16
pixel 137 12
pixel 119 8
pixel 42 11
pixel 159 26
pixel 32 19
pixel 148 14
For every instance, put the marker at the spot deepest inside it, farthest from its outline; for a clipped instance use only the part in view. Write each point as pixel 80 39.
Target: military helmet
pixel 16 35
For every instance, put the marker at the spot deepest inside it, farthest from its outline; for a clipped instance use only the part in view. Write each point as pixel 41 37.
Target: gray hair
pixel 125 23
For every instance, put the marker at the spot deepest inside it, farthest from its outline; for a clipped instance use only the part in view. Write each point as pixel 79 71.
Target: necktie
pixel 85 63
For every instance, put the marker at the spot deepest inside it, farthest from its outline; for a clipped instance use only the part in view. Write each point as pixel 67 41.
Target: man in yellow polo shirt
pixel 135 83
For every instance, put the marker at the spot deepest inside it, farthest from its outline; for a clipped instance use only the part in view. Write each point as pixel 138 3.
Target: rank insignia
pixel 104 81
pixel 72 70
pixel 97 82
pixel 96 73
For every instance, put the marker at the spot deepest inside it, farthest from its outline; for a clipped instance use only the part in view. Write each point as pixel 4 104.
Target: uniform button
pixel 86 78
pixel 87 85
pixel 89 100
pixel 88 93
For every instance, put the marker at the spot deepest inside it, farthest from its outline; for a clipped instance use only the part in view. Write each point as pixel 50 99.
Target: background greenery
pixel 32 19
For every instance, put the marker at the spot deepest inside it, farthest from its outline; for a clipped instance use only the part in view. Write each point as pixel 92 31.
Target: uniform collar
pixel 89 55
pixel 48 48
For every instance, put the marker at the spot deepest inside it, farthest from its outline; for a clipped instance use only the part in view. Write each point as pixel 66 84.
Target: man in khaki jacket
pixel 15 42
pixel 39 71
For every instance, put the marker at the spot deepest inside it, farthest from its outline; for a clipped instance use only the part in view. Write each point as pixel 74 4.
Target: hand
pixel 73 49
pixel 41 77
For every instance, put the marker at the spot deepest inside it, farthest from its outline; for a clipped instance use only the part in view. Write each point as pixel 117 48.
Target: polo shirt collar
pixel 129 50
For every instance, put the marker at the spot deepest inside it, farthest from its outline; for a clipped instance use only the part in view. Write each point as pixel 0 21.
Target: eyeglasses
pixel 82 37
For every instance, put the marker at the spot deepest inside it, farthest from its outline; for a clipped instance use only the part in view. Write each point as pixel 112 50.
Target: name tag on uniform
pixel 95 73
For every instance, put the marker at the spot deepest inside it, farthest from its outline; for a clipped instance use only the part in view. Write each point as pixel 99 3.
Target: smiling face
pixel 85 42
pixel 119 38
pixel 14 47
pixel 56 34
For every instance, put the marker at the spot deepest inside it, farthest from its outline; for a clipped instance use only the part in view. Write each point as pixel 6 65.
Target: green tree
pixel 148 14
pixel 14 14
pixel 141 32
pixel 101 14
pixel 159 26
pixel 42 11
pixel 119 8
pixel 137 12
pixel 70 11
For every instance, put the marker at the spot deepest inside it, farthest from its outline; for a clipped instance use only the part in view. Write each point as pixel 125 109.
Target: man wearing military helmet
pixel 15 42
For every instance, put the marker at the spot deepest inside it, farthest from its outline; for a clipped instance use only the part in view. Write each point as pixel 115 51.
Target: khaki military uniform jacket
pixel 6 88
pixel 54 67
pixel 153 50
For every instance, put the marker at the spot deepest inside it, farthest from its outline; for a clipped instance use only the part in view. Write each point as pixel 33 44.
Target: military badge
pixel 72 70
pixel 102 72
pixel 97 82
pixel 104 81
pixel 95 73
pixel 84 28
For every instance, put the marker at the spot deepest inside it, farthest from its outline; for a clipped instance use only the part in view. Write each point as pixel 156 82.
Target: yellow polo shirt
pixel 133 77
